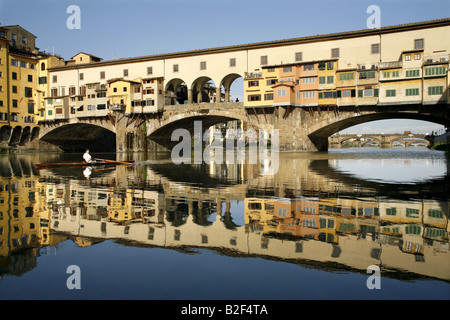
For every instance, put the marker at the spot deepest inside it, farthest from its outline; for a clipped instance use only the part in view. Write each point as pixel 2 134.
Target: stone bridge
pixel 299 128
pixel 382 140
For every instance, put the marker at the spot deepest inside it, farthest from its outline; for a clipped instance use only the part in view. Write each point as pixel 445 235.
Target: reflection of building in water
pixel 349 232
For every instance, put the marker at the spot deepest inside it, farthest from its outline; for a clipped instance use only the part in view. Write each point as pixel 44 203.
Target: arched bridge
pixel 299 128
pixel 381 140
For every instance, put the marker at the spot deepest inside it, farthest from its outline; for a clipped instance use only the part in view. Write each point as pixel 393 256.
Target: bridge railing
pixel 203 106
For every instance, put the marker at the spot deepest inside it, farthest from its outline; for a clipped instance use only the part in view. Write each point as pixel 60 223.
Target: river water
pixel 344 224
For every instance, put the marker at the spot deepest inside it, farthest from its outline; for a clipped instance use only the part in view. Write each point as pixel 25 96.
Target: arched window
pixel 42 66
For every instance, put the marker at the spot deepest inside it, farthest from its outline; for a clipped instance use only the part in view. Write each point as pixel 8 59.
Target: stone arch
pixel 15 136
pixel 227 83
pixel 35 133
pixel 79 136
pixel 5 133
pixel 204 89
pixel 319 133
pixel 176 92
pixel 162 134
pixel 25 137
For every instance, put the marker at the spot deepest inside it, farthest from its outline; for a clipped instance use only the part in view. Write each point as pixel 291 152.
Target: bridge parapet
pixel 203 106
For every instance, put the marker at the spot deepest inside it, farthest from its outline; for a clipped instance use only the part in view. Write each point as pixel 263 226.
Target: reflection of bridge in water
pixel 308 214
pixel 322 230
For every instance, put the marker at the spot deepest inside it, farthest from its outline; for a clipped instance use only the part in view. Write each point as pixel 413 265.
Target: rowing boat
pixel 83 164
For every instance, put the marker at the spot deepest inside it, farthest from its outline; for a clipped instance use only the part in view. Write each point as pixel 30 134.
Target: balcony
pixel 117 107
pixel 390 65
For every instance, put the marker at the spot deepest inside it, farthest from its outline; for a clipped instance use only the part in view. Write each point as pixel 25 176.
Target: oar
pixel 106 160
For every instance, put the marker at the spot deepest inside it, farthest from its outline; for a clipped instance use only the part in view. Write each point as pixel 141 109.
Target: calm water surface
pixel 160 231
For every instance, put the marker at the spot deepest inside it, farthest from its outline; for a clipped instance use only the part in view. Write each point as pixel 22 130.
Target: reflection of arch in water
pixel 433 188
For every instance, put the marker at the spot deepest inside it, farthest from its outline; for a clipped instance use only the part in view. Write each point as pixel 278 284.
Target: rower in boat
pixel 87 157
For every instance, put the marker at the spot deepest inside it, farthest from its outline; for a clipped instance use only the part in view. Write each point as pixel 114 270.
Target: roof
pixel 18 26
pixel 298 63
pixel 122 79
pixel 88 54
pixel 266 44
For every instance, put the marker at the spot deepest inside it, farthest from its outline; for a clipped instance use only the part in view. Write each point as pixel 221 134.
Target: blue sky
pixel 127 28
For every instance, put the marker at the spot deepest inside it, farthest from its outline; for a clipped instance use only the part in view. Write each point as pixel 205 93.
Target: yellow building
pixel 4 106
pixel 43 89
pixel 327 82
pixel 121 95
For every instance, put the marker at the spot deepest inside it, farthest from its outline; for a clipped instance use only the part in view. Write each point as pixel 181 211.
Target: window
pixel 101 106
pixel 54 92
pixel 264 60
pixel 412 73
pixel 435 213
pixel 390 93
pixel 433 71
pixel 30 107
pixel 395 74
pixel 322 80
pixel 232 62
pixel 124 89
pixel 14 62
pixel 309 80
pixel 254 97
pixel 335 53
pixel 14 103
pixel 308 94
pixel 330 79
pixel 346 76
pixel 149 70
pixel 55 79
pixel 386 74
pixel 287 69
pixel 42 66
pixel 391 211
pixel 330 65
pixel 308 67
pixel 417 56
pixel 346 93
pixel 271 70
pixel 72 91
pixel 114 89
pixel 28 92
pixel 14 75
pixel 412 92
pixel 101 94
pixel 23 64
pixel 375 48
pixel 102 74
pixel 24 40
pixel 418 44
pixel 408 57
pixel 125 72
pixel 175 68
pixel 81 76
pixel 253 83
pixel 281 92
pixel 268 96
pixel 271 82
pixel 14 89
pixel 202 65
pixel 30 78
pixel 298 56
pixel 367 75
pixel 435 90
pixel 412 213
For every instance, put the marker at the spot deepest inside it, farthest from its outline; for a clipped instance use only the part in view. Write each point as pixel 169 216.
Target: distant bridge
pixel 384 141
